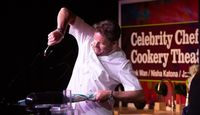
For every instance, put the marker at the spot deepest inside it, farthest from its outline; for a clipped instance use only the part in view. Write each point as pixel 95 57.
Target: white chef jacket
pixel 92 72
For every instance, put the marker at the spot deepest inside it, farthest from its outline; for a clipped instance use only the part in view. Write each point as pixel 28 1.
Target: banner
pixel 160 37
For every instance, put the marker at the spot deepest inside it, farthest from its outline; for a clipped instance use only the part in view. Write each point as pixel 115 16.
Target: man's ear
pixel 115 44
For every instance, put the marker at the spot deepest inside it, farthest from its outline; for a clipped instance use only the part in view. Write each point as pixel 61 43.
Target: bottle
pixel 44 98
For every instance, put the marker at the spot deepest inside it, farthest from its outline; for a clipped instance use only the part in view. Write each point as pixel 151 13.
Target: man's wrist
pixel 111 96
pixel 60 30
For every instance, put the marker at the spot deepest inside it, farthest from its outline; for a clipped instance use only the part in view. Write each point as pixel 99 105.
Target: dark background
pixel 26 26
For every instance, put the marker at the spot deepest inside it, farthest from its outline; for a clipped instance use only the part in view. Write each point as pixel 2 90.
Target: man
pixel 194 100
pixel 100 66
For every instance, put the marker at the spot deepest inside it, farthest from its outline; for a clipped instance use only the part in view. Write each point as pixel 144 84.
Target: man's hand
pixel 55 37
pixel 102 95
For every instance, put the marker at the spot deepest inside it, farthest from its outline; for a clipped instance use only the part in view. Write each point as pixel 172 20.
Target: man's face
pixel 101 45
